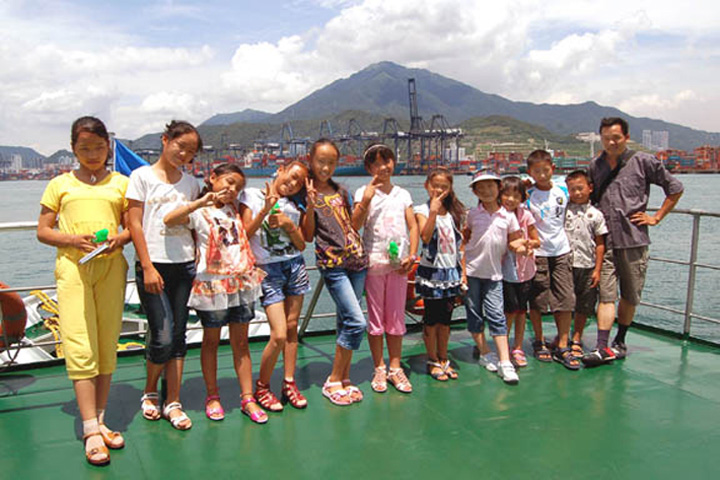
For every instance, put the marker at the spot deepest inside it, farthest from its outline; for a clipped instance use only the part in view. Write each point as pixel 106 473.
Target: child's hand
pixel 271 196
pixel 224 196
pixel 152 281
pixel 311 193
pixel 436 203
pixel 406 265
pixel 595 278
pixel 280 220
pixel 369 192
pixel 83 242
pixel 114 242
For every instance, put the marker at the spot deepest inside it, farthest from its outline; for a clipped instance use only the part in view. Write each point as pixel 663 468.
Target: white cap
pixel 483 175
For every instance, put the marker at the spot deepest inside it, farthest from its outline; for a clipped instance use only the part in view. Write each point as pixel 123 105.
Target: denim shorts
pixel 220 318
pixel 484 302
pixel 288 278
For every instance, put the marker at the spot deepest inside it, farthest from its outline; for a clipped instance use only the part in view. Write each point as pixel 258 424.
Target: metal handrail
pixel 687 312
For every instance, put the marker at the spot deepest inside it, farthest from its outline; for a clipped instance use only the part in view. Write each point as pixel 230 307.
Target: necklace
pixel 93 178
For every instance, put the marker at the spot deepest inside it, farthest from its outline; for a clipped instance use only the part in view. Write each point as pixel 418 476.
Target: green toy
pixel 275 210
pixel 393 251
pixel 101 236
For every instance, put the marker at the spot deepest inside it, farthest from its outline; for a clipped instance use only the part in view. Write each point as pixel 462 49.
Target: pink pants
pixel 386 295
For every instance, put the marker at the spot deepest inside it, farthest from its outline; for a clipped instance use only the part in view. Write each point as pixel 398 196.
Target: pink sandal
pixel 379 380
pixel 216 413
pixel 397 377
pixel 519 358
pixel 356 395
pixel 258 416
pixel 339 397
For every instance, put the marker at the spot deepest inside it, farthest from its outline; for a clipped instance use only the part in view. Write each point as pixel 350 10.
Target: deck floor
pixel 655 415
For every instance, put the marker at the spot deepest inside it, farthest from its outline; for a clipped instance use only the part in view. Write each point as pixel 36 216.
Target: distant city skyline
pixel 137 64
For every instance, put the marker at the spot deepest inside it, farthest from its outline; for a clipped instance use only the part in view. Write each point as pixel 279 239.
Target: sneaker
pixel 507 372
pixel 598 357
pixel 489 361
pixel 619 349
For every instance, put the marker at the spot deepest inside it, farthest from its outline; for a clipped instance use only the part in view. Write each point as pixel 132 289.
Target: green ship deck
pixel 655 415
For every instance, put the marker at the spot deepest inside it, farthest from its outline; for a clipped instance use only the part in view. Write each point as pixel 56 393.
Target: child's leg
pixel 278 335
pixel 293 306
pixel 375 293
pixel 394 315
pixel 208 359
pixel 431 341
pixel 579 322
pixel 503 351
pixel 493 308
pixel 536 320
pixel 519 319
pixel 242 362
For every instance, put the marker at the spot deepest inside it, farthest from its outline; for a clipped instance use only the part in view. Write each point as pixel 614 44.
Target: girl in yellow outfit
pixel 91 295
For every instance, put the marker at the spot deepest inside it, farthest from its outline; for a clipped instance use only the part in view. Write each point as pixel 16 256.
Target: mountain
pixel 382 89
pixel 30 158
pixel 248 115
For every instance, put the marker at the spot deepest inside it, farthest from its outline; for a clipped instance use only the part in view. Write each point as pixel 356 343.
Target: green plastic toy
pixel 275 209
pixel 101 236
pixel 393 251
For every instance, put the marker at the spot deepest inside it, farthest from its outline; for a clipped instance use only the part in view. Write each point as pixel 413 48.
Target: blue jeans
pixel 167 312
pixel 484 301
pixel 346 288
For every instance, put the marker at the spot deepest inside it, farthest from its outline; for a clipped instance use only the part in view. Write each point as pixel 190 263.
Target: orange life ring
pixel 414 305
pixel 14 317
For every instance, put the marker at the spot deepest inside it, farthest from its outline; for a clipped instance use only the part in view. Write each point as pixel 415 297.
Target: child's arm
pixel 280 220
pixel 534 240
pixel 407 262
pixel 517 244
pixel 251 223
pixel 152 279
pixel 362 208
pixel 47 234
pixel 308 219
pixel 428 227
pixel 123 238
pixel 599 254
pixel 181 215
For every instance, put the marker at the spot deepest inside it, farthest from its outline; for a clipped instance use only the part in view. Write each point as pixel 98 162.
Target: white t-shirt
pixel 271 245
pixel 488 241
pixel 548 207
pixel 385 222
pixel 446 247
pixel 165 244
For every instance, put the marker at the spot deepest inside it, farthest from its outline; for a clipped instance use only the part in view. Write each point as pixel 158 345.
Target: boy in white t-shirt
pixel 552 288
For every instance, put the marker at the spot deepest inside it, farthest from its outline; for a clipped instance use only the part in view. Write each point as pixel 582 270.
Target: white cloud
pixel 647 57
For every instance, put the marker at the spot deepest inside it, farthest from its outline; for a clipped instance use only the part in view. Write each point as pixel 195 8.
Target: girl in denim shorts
pixel 271 219
pixel 342 263
pixel 226 285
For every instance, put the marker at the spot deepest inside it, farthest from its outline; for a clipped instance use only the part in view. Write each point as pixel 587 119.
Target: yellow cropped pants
pixel 91 298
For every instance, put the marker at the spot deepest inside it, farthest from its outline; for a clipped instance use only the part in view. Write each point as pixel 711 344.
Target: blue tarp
pixel 126 160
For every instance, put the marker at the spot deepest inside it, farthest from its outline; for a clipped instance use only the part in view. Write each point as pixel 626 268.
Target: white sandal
pixel 150 409
pixel 177 420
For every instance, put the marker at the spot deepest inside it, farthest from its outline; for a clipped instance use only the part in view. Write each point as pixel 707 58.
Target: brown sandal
pixel 111 437
pixel 266 398
pixel 101 450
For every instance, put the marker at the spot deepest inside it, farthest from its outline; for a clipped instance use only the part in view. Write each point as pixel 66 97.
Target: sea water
pixel 26 262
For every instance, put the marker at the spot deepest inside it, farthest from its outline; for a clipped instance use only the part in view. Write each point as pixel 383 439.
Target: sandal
pixel 214 413
pixel 266 398
pixel 149 405
pixel 292 395
pixel 397 377
pixel 449 370
pixel 568 360
pixel 541 351
pixel 519 358
pixel 577 349
pixel 436 371
pixel 339 397
pixel 379 380
pixel 101 450
pixel 177 420
pixel 356 395
pixel 259 415
pixel 111 438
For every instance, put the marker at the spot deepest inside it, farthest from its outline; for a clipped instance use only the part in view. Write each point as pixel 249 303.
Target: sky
pixel 137 64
